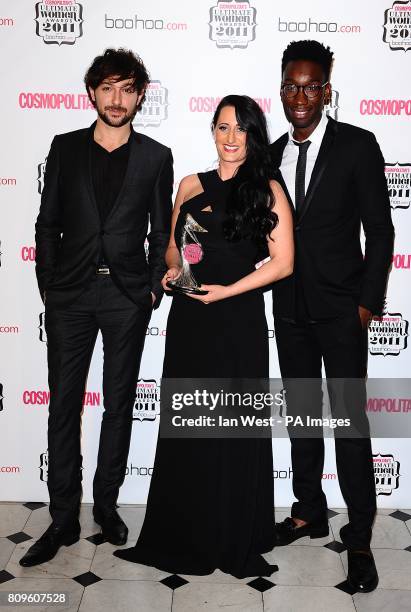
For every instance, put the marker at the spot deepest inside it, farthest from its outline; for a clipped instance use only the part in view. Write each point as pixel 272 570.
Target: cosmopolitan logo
pixel 232 24
pixel 28 253
pixel 399 184
pixel 154 109
pixel 134 23
pixel 207 104
pixel 147 401
pixel 59 22
pixel 401 261
pixel 41 170
pixel 388 404
pixel 316 26
pixel 385 107
pixel 42 398
pixel 386 473
pixel 387 335
pixel 397 26
pixel 55 101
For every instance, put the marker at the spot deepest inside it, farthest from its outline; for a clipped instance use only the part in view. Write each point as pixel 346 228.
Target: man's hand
pixel 365 316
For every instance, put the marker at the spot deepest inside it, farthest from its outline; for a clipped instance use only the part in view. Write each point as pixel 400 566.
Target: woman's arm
pixel 281 249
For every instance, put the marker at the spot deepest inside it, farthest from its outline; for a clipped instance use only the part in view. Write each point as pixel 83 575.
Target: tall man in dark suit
pixel 333 174
pixel 102 187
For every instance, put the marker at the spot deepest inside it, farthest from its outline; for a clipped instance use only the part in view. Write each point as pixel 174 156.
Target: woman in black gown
pixel 210 503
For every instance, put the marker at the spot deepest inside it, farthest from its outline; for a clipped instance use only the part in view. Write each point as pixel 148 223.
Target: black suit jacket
pixel 347 189
pixel 69 233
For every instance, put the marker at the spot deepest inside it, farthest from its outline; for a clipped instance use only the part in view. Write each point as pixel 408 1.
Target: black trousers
pixel 341 344
pixel 71 336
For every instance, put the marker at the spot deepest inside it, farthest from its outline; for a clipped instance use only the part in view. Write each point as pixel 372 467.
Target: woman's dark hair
pixel 120 64
pixel 251 200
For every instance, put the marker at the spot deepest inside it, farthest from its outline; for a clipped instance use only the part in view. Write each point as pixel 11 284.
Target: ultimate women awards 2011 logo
pixel 386 473
pixel 154 109
pixel 399 184
pixel 232 24
pixel 387 335
pixel 59 22
pixel 397 26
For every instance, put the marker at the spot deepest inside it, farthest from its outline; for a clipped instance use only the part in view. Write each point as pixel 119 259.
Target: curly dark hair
pixel 310 50
pixel 121 64
pixel 249 205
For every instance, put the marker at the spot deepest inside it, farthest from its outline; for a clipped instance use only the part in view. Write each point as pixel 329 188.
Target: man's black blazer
pixel 69 233
pixel 347 189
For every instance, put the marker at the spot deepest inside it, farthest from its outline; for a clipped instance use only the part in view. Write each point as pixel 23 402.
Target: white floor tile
pixel 388 532
pixel 383 600
pixel 73 590
pixel 306 565
pixel 307 599
pixel 124 596
pixel 13 518
pixel 216 597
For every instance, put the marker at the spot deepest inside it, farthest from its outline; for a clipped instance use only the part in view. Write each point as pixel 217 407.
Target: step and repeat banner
pixel 196 53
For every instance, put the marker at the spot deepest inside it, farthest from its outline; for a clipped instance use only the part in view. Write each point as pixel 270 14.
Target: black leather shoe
pixel 362 573
pixel 113 528
pixel 48 544
pixel 287 531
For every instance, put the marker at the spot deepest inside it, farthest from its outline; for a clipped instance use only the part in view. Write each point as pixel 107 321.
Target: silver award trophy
pixel 191 253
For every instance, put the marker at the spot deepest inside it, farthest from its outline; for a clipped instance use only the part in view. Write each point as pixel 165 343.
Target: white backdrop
pixel 196 52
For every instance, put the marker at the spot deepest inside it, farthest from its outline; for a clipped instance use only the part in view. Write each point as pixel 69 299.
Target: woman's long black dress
pixel 210 503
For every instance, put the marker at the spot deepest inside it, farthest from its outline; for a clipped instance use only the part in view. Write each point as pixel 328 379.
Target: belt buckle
pixel 103 270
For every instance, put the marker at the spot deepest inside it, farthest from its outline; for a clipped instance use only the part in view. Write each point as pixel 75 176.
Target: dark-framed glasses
pixel 290 90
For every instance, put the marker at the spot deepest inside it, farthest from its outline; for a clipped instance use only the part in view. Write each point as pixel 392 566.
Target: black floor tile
pixel 19 537
pixel 174 581
pixel 401 516
pixel 261 584
pixel 335 546
pixel 345 587
pixel 5 576
pixel 86 579
pixel 34 505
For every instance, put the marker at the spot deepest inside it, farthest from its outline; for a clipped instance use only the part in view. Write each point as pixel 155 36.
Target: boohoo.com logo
pixel 399 184
pixel 397 26
pixel 232 24
pixel 154 109
pixel 386 474
pixel 59 22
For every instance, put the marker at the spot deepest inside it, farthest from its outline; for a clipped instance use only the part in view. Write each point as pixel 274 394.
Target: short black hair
pixel 119 63
pixel 310 50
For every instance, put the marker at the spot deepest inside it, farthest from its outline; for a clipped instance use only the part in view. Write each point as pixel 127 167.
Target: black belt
pixel 102 269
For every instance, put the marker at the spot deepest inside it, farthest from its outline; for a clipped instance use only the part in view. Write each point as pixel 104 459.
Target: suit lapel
pixel 87 165
pixel 319 166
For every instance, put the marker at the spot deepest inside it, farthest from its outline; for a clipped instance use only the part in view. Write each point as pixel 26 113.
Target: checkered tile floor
pixel 311 574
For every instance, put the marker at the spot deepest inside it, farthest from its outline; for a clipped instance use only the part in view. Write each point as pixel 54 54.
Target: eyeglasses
pixel 311 91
